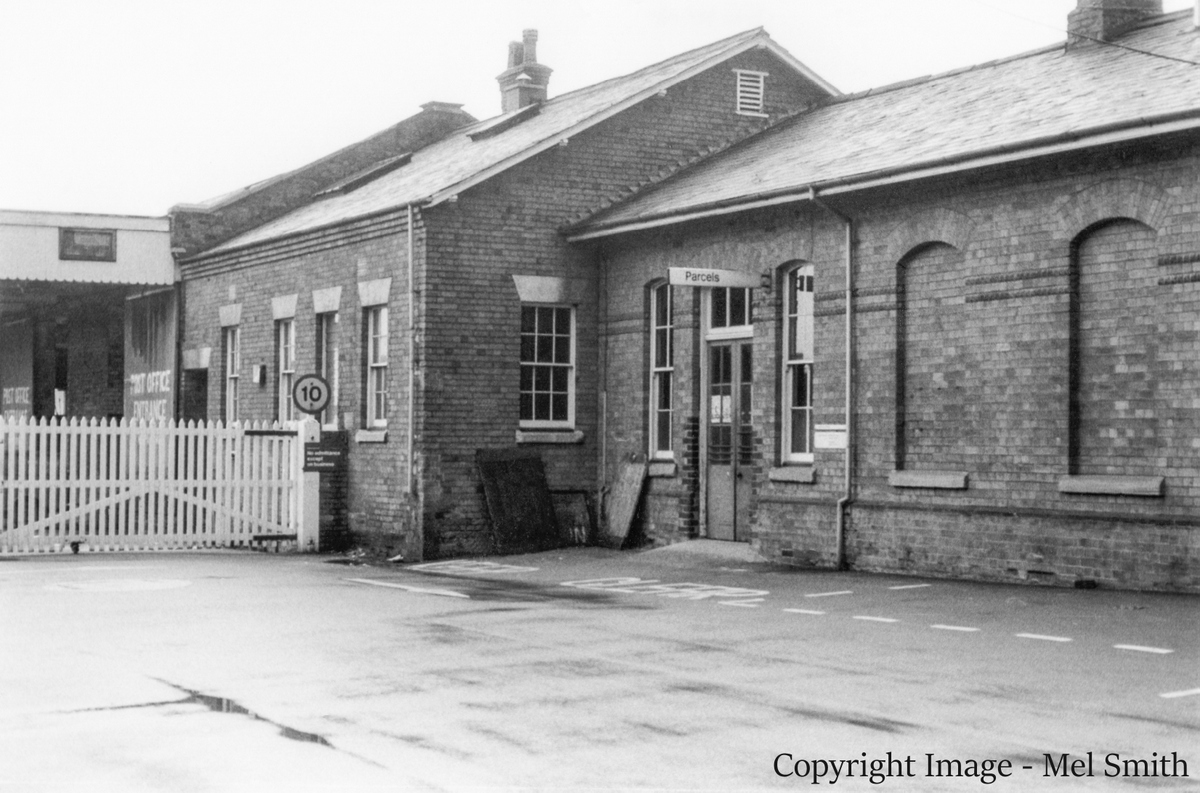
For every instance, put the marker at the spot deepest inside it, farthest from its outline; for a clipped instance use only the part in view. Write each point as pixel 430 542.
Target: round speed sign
pixel 310 393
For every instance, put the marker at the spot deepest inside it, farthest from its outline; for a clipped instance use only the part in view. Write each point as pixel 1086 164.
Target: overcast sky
pixel 129 107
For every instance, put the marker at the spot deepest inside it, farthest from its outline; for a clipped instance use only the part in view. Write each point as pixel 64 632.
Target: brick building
pixel 971 347
pixel 430 285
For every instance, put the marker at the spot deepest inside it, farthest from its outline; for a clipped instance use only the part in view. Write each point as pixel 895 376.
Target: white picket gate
pixel 119 485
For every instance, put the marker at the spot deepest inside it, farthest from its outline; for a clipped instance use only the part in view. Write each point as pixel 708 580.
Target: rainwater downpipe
pixel 848 491
pixel 412 355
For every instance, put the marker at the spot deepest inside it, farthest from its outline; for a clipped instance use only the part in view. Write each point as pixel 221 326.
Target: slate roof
pixel 1049 96
pixel 457 161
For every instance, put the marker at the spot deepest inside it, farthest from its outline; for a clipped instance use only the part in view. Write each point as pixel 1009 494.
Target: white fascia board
pixel 82 220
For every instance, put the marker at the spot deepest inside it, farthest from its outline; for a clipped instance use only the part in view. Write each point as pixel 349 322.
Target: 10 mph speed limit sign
pixel 310 393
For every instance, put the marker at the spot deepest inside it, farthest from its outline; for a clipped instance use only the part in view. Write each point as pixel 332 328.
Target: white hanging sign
pixel 694 276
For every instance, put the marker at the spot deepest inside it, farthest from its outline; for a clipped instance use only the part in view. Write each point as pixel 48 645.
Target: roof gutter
pixel 1118 132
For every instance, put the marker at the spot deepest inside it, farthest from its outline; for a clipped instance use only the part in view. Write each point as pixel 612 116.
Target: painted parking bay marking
pixel 469 567
pixel 1137 648
pixel 450 593
pixel 1191 692
pixel 685 590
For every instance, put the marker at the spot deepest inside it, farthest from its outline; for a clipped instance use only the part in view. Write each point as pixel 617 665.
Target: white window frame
pixel 727 331
pixel 798 322
pixel 232 346
pixel 662 369
pixel 751 97
pixel 534 423
pixel 327 364
pixel 285 362
pixel 376 320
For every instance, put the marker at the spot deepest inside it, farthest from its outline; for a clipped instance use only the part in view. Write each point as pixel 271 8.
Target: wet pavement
pixel 696 668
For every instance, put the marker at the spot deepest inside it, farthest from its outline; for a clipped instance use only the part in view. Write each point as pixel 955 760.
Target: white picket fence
pixel 102 485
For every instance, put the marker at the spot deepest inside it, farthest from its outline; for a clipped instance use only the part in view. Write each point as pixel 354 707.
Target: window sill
pixel 370 436
pixel 1148 486
pixel 797 474
pixel 550 436
pixel 661 469
pixel 933 480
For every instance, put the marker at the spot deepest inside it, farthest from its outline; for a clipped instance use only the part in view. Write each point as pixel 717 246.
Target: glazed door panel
pixel 730 439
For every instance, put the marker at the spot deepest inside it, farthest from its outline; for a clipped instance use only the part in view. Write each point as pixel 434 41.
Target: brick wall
pixel 378 507
pixel 970 295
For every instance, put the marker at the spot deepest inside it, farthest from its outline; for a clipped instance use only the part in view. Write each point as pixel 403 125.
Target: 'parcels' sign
pixel 694 276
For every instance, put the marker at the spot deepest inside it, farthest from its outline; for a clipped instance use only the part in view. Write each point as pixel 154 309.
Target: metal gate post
pixel 308 493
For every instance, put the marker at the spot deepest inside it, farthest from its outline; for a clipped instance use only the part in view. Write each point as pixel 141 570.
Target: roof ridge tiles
pixel 1161 19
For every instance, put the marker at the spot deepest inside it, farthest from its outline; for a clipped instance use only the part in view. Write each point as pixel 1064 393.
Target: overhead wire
pixel 1060 29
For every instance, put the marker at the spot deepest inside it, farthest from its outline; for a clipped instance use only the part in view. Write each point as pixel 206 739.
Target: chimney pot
pixel 529 40
pixel 525 80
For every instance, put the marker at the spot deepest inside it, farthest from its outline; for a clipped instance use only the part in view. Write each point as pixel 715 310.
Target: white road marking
pixel 1191 692
pixel 1142 649
pixel 877 619
pixel 962 628
pixel 685 590
pixel 120 585
pixel 829 594
pixel 469 567
pixel 450 593
pixel 1043 638
pixel 911 586
pixel 750 604
pixel 803 611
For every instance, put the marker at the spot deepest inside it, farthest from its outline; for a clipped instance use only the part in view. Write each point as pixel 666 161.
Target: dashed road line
pixel 829 594
pixel 1040 637
pixel 1137 648
pixel 748 604
pixel 961 628
pixel 804 611
pixel 1191 692
pixel 876 619
pixel 419 590
pixel 910 586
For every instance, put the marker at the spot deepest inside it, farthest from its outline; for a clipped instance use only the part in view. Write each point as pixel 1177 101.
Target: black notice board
pixel 518 501
pixel 324 456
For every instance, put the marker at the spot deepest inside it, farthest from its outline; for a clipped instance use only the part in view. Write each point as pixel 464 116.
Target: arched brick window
pixel 935 366
pixel 1114 415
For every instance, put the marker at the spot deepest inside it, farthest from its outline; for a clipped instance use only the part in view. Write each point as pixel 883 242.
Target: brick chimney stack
pixel 525 80
pixel 1104 20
